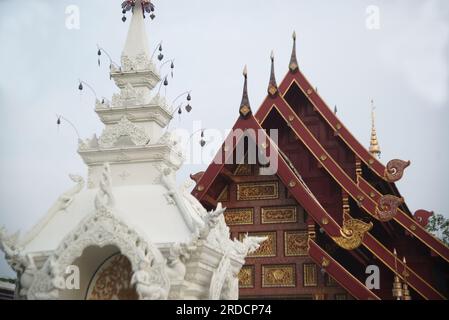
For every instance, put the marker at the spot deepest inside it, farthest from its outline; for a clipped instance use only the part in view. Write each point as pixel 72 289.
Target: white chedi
pixel 130 205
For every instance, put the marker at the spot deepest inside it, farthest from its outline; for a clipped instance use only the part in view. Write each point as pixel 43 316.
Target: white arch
pixel 102 229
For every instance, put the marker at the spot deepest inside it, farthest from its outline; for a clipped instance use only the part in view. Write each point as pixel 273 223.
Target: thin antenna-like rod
pixel 108 55
pixel 60 117
pixel 90 87
pixel 182 94
pixel 171 60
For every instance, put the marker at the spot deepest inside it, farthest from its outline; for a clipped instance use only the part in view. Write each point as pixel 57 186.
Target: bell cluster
pixel 147 7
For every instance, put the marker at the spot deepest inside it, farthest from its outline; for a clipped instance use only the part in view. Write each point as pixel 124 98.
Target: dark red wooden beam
pixel 339 273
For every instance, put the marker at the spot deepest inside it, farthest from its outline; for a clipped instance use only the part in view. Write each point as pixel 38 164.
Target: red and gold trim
pixel 343 277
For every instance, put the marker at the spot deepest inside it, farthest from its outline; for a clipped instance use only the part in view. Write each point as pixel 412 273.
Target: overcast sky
pixel 403 65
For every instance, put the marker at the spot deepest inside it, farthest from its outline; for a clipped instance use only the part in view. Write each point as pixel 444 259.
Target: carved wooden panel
pixel 267 248
pixel 279 215
pixel 295 243
pixel 341 296
pixel 258 191
pixel 246 277
pixel 310 276
pixel 239 216
pixel 278 276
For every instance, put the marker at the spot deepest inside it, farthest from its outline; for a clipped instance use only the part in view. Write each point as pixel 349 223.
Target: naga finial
pixel 387 207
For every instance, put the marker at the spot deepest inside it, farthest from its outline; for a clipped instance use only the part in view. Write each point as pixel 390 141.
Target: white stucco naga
pixel 129 210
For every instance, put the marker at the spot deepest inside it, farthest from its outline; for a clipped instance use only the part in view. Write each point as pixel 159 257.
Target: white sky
pixel 404 66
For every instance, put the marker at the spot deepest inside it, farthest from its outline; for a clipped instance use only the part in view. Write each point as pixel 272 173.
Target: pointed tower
pixel 272 86
pixel 374 147
pixel 245 108
pixel 133 139
pixel 293 65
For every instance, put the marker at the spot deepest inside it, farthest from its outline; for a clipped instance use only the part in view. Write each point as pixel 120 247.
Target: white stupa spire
pixel 136 42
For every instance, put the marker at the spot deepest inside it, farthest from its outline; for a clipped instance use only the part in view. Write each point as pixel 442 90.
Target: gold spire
pixel 405 289
pixel 374 147
pixel 293 66
pixel 245 108
pixel 272 86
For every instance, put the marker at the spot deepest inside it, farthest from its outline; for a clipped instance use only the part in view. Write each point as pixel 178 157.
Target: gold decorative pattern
pixel 311 230
pixel 358 167
pixel 246 277
pixel 278 276
pixel 310 276
pixel 272 90
pixel 239 216
pixel 113 281
pixel 224 195
pixel 295 243
pixel 258 191
pixel 245 110
pixel 267 248
pixel 325 262
pixel 243 170
pixel 279 215
pixel 352 234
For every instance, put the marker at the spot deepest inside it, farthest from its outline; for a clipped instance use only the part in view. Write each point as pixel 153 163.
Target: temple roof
pixel 369 199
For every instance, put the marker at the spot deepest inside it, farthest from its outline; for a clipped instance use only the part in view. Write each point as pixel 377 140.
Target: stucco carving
pixel 219 277
pixel 100 229
pixel 137 63
pixel 126 128
pixel 128 96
